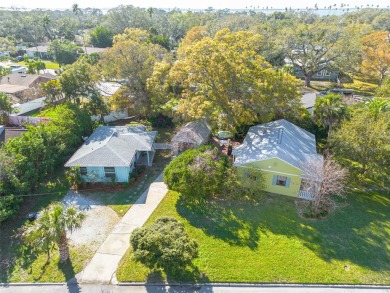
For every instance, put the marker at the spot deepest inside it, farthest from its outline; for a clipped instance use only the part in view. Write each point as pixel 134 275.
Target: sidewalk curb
pixel 32 284
pixel 255 285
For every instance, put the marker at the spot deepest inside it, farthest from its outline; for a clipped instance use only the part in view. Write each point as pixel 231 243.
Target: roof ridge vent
pixel 280 135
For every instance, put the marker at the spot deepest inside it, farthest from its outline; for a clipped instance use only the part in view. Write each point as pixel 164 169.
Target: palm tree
pixel 50 228
pixel 78 12
pixel 329 110
pixel 5 108
pixel 376 106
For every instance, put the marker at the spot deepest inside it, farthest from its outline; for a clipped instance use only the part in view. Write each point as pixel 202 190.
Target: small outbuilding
pixel 191 135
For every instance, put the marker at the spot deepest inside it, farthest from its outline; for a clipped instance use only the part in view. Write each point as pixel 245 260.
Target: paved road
pixel 90 288
pixel 104 263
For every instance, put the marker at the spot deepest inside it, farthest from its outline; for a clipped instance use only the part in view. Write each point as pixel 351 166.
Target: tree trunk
pixel 63 248
pixel 307 80
pixel 330 131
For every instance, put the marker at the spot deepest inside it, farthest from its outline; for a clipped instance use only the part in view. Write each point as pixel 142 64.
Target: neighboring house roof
pixel 29 106
pixel 42 49
pixel 308 100
pixel 12 89
pixel 278 139
pixel 107 89
pixel 25 80
pixel 6 133
pixel 91 50
pixel 111 146
pixel 195 132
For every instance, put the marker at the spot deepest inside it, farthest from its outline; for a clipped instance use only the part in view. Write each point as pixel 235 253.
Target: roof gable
pixel 195 132
pixel 278 139
pixel 113 146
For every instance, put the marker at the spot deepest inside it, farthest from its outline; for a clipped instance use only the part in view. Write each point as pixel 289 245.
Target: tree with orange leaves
pixel 376 55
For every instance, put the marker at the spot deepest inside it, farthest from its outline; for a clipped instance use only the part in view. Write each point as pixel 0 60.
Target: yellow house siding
pixel 274 167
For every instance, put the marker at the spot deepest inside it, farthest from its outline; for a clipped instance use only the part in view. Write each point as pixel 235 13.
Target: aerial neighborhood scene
pixel 194 149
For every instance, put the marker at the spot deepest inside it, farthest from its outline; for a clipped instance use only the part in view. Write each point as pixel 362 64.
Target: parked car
pixel 18 69
pixel 19 58
pixel 32 216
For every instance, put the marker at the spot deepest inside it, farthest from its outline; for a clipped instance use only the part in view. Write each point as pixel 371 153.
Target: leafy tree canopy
pixel 225 79
pixel 102 37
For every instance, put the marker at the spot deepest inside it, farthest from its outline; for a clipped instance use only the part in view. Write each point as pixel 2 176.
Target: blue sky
pixel 195 4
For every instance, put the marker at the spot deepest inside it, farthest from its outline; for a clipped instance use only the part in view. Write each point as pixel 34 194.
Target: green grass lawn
pixel 48 112
pixel 245 241
pixel 360 86
pixel 49 64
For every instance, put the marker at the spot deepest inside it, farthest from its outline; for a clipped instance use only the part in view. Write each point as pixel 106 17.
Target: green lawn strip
pixel 243 242
pixel 39 270
pixel 46 113
pixel 49 64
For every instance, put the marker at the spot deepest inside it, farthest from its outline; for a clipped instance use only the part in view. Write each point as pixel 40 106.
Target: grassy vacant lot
pixel 266 241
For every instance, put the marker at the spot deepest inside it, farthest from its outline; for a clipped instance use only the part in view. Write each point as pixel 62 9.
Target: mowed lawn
pixel 266 241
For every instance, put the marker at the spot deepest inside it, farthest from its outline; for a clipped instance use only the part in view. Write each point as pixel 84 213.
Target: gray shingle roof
pixel 113 146
pixel 25 80
pixel 196 132
pixel 278 139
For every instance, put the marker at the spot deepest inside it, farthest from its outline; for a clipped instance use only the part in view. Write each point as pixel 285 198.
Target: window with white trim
pixel 83 171
pixel 109 172
pixel 281 180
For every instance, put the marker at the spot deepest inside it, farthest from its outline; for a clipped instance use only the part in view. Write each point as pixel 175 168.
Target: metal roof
pixel 278 139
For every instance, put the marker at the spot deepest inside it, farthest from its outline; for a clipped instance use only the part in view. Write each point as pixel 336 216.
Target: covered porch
pixel 145 158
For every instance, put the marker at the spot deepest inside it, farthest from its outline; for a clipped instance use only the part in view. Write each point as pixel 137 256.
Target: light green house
pixel 112 153
pixel 283 154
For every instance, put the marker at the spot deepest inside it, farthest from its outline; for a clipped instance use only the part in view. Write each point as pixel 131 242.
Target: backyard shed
pixel 191 135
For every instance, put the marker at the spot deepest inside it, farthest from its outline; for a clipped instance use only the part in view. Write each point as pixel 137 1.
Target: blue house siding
pixel 97 174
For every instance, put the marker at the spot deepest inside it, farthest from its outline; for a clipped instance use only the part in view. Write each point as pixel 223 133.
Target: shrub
pixel 8 206
pixel 161 121
pixel 199 174
pixel 163 244
pixel 74 178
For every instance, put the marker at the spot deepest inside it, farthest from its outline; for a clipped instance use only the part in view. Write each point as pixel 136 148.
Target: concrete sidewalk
pixel 104 263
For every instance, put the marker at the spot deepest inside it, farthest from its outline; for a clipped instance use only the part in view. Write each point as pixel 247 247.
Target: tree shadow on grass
pixel 191 276
pixel 357 232
pixel 69 273
pixel 219 219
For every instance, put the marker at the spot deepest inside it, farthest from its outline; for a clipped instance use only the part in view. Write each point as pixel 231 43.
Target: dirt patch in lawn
pixel 98 223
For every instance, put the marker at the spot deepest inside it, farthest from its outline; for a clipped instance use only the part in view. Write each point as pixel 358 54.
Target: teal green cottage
pixel 112 153
pixel 282 152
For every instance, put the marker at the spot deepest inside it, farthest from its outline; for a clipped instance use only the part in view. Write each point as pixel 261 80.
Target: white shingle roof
pixel 278 139
pixel 113 146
